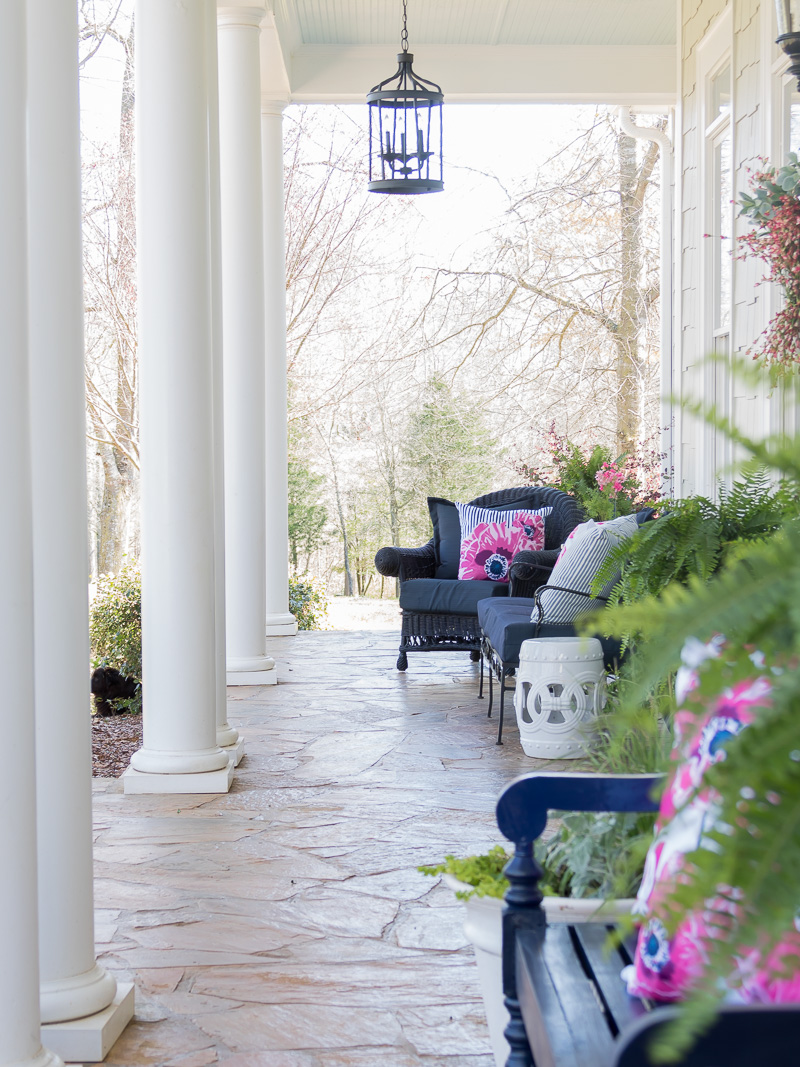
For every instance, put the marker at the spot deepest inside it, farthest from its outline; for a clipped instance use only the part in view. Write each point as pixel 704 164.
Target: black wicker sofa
pixel 441 613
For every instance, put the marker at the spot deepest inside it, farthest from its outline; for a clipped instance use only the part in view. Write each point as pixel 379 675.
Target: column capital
pixel 273 105
pixel 246 15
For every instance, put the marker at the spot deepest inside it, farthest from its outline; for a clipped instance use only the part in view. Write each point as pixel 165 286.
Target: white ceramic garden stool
pixel 561 688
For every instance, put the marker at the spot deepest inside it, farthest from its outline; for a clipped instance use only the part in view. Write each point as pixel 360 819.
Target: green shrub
pixel 308 601
pixel 115 628
pixel 591 855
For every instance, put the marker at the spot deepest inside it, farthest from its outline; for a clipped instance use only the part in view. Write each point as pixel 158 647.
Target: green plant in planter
pixel 115 628
pixel 484 873
pixel 589 856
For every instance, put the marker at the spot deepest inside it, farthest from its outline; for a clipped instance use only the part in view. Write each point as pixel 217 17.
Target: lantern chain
pixel 404 34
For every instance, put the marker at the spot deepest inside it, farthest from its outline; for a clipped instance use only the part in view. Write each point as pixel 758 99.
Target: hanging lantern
pixel 789 32
pixel 405 130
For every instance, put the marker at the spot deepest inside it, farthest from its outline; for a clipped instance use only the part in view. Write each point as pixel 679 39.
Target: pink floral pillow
pixel 491 539
pixel 666 967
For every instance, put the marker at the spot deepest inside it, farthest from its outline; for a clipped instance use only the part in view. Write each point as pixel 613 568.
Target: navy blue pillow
pixel 447 531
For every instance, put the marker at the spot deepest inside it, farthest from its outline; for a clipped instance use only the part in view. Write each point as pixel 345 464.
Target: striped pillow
pixel 584 552
pixel 490 539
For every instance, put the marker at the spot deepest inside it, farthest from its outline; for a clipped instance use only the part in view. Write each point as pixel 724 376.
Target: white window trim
pixel 714 52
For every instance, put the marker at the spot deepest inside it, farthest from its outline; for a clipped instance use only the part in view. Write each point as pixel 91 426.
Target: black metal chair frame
pixel 429 631
pixel 498 669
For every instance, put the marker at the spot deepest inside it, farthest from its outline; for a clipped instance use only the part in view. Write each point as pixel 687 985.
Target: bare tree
pixel 563 305
pixel 110 295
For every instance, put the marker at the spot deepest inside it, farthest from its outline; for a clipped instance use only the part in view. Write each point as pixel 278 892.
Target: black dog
pixel 108 684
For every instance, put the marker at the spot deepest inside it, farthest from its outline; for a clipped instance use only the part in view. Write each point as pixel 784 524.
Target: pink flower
pixel 610 475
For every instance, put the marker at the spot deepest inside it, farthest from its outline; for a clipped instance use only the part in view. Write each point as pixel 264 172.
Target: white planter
pixel 484 928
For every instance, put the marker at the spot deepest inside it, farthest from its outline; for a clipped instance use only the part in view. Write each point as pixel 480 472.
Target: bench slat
pixel 605 965
pixel 563 1018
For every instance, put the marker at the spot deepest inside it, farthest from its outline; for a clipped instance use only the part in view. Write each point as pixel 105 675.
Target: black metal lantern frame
pixel 405 130
pixel 789 33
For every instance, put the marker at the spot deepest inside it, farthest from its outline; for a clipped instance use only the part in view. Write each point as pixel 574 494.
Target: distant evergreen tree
pixel 307 516
pixel 449 450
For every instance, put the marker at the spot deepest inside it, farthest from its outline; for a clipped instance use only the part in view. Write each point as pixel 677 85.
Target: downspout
pixel 650 133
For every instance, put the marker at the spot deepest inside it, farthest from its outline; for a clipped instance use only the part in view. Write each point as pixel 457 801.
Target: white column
pixel 20 1044
pixel 227 736
pixel 72 984
pixel 243 344
pixel 279 618
pixel 180 751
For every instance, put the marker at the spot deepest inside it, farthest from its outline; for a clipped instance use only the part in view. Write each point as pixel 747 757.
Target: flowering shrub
pixel 610 477
pixel 604 486
pixel 308 601
pixel 115 627
pixel 774 209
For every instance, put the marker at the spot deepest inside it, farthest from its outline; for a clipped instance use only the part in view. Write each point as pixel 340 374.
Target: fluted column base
pixel 235 750
pixel 45 1058
pixel 251 670
pixel 134 781
pixel 90 1039
pixel 282 624
pixel 77 996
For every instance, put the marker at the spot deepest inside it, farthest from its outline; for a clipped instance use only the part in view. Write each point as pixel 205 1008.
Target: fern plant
pixel 696 536
pixel 753 598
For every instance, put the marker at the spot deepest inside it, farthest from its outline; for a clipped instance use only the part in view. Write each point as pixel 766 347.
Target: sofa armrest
pixel 539 607
pixel 529 570
pixel 406 563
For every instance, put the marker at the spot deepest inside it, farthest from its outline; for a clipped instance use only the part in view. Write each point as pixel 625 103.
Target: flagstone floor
pixel 285 924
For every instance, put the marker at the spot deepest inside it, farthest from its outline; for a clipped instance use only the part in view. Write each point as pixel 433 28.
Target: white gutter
pixel 650 133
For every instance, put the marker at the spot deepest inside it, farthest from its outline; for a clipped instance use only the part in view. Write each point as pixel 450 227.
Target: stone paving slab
pixel 285 924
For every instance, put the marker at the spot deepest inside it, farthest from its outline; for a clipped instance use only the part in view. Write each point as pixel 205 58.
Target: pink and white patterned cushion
pixel 582 555
pixel 490 540
pixel 665 967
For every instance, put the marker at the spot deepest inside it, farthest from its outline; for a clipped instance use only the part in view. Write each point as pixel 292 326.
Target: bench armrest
pixel 524 805
pixel 406 563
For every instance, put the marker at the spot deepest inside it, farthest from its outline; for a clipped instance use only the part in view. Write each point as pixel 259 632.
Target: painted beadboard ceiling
pixel 482 22
pixel 484 50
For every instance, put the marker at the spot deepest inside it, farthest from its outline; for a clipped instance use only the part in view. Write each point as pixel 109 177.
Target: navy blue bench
pixel 567 1004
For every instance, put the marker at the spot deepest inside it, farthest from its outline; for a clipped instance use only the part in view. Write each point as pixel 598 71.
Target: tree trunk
pixel 349 584
pixel 633 183
pixel 627 336
pixel 394 519
pixel 119 472
pixel 113 520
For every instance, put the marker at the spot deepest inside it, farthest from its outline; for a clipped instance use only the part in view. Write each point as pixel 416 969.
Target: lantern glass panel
pixel 405 143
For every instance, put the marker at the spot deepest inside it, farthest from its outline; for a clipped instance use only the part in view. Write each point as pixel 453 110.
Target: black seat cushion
pixel 507 623
pixel 448 596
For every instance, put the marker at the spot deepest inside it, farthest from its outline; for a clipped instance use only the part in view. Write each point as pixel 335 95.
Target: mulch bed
pixel 114 740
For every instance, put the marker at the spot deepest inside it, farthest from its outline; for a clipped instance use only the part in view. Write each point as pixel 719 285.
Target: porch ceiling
pixel 612 51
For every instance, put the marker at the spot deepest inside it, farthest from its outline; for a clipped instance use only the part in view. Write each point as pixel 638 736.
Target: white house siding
pixel 703 454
